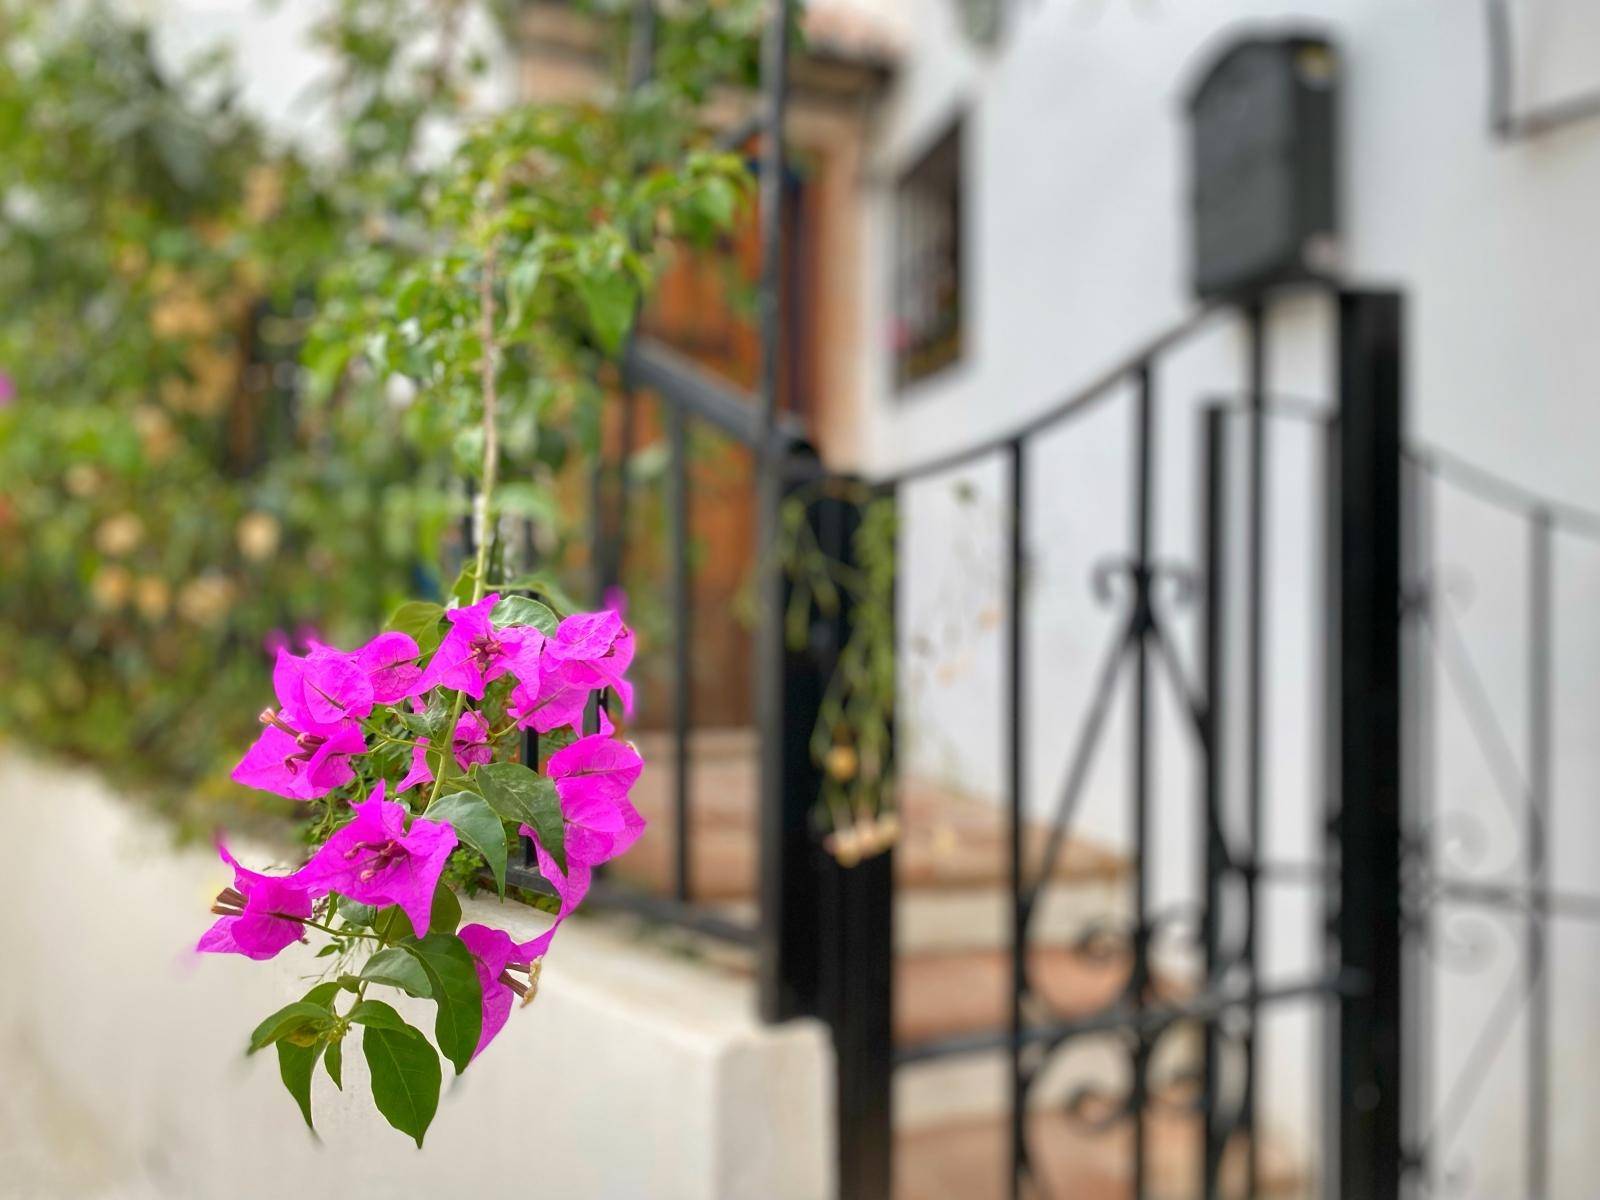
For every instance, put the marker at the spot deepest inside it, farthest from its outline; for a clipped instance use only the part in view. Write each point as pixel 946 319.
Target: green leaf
pixel 542 585
pixel 456 992
pixel 519 610
pixel 334 1061
pixel 393 967
pixel 405 1077
pixel 375 1014
pixel 322 995
pixel 391 924
pixel 428 723
pixel 461 590
pixel 529 500
pixel 295 1020
pixel 609 296
pixel 296 1064
pixel 479 826
pixel 524 797
pixel 521 283
pixel 359 915
pixel 445 914
pixel 420 619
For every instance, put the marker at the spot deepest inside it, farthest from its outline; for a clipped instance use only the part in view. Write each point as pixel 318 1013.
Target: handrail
pixel 1504 493
pixel 686 385
pixel 1094 390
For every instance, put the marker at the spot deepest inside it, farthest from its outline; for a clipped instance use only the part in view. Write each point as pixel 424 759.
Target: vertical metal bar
pixel 1541 619
pixel 774 168
pixel 683 629
pixel 1016 771
pixel 1255 691
pixel 858 966
pixel 1214 477
pixel 1143 506
pixel 599 540
pixel 640 68
pixel 1370 766
pixel 1332 955
pixel 1418 866
pixel 855 975
pixel 787 880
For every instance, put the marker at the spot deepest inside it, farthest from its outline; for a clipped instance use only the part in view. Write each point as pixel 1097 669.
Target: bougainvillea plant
pixel 411 748
pixel 359 734
pixel 496 300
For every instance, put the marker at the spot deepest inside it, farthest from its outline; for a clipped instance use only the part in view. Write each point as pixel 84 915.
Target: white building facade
pixel 1074 249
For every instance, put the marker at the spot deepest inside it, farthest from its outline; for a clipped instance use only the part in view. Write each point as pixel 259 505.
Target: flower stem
pixel 310 924
pixel 483 502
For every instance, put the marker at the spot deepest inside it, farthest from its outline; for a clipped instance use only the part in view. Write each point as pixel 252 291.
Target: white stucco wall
pixel 636 1072
pixel 1077 251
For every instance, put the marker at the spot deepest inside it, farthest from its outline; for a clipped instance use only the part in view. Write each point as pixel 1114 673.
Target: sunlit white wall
pixel 1077 250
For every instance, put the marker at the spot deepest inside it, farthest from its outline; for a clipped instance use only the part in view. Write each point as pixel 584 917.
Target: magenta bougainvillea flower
pixel 589 651
pixel 376 860
pixel 475 652
pixel 322 691
pixel 390 663
pixel 471 746
pixel 593 777
pixel 595 649
pixel 328 686
pixel 258 916
pixel 492 952
pixel 299 765
pixel 496 956
pixel 8 391
pixel 328 701
pixel 558 700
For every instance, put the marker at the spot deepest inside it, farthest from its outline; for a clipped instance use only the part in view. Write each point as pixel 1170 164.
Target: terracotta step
pixel 948 840
pixel 940 995
pixel 968 1160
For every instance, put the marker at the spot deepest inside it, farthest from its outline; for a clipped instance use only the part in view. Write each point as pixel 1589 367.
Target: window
pixel 927 262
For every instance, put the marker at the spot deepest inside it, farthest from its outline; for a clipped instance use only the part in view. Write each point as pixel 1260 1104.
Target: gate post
pixel 1365 660
pixel 789 688
pixel 851 921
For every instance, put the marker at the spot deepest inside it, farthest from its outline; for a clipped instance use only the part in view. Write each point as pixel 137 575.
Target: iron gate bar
pixel 1072 405
pixel 1418 816
pixel 685 385
pixel 1015 782
pixel 1573 905
pixel 1081 759
pixel 1368 759
pixel 1214 852
pixel 1513 788
pixel 1541 602
pixel 1442 464
pixel 683 628
pixel 1140 748
pixel 1255 691
pixel 1154 1020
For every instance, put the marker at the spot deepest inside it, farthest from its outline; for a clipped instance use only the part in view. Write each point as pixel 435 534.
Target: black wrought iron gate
pixel 1357 985
pixel 1378 872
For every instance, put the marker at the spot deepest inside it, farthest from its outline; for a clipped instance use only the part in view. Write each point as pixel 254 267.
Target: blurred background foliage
pixel 245 375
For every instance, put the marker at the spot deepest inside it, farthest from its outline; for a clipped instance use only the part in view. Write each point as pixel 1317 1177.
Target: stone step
pixel 968 1159
pixel 945 994
pixel 947 840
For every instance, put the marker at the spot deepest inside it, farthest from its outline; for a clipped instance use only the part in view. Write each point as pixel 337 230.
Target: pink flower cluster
pixel 328 701
pixel 305 750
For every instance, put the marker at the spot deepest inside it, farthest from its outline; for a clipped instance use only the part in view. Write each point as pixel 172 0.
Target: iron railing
pixel 823 934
